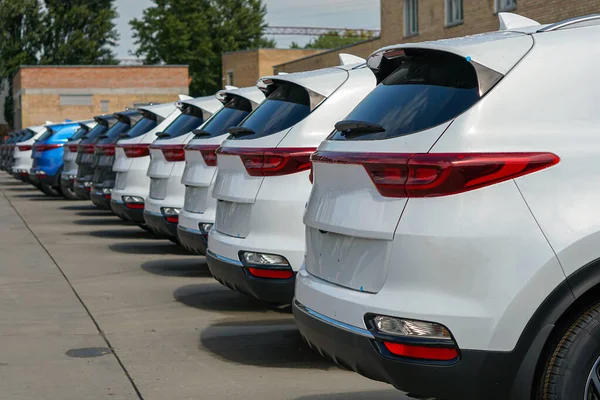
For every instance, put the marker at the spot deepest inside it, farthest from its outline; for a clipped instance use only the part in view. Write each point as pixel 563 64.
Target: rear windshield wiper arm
pixel 161 135
pixel 350 127
pixel 201 133
pixel 124 135
pixel 240 131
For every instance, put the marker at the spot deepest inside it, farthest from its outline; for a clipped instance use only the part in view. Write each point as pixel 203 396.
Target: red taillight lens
pixel 443 174
pixel 272 161
pixel 422 352
pixel 45 147
pixel 271 273
pixel 24 147
pixel 136 150
pixel 135 206
pixel 106 149
pixel 209 153
pixel 72 148
pixel 171 152
pixel 86 148
pixel 172 219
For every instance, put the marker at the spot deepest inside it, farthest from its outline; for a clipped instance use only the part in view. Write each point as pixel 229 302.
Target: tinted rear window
pixel 424 91
pixel 285 107
pixel 49 132
pixel 98 130
pixel 113 133
pixel 80 133
pixel 28 135
pixel 190 119
pixel 230 115
pixel 144 125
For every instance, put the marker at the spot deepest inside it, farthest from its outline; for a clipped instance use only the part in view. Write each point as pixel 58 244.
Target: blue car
pixel 48 157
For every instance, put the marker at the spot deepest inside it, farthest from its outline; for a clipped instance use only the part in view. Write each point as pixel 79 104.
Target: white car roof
pixel 322 81
pixel 162 110
pixel 251 93
pixel 206 103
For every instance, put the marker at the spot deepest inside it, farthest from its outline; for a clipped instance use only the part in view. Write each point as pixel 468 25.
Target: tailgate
pixel 122 162
pixel 159 166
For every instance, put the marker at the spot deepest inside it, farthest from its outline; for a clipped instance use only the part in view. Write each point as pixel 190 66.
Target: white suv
pixel 453 229
pixel 23 150
pixel 167 163
pixel 132 157
pixel 198 214
pixel 257 243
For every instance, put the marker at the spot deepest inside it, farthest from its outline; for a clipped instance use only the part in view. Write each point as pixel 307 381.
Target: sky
pixel 313 13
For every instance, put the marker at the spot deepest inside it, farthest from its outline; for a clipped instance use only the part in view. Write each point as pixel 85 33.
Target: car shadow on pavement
pixel 37 196
pixel 96 213
pixel 15 183
pixel 216 297
pixel 158 247
pixel 133 233
pixel 273 343
pixel 390 394
pixel 80 207
pixel 107 220
pixel 183 267
pixel 21 188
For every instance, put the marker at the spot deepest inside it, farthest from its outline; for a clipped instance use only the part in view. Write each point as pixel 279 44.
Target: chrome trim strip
pixel 224 259
pixel 333 322
pixel 568 22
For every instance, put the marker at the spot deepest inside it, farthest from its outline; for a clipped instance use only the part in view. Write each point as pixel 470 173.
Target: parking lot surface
pixel 94 308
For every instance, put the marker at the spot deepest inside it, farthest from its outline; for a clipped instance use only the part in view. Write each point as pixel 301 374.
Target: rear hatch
pixel 241 159
pixel 200 153
pixel 168 148
pixel 360 171
pixel 85 148
pixel 70 155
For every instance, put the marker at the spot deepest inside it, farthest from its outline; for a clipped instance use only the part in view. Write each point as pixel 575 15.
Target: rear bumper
pixel 42 179
pixel 159 225
pixel 232 274
pixel 477 375
pixel 192 241
pixel 99 200
pixel 135 215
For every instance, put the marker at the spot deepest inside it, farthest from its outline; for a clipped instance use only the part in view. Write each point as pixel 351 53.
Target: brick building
pixel 244 68
pixel 56 93
pixel 405 21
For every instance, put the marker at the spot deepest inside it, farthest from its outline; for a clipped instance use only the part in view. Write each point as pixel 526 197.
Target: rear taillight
pixel 24 147
pixel 106 149
pixel 72 148
pixel 209 153
pixel 422 352
pixel 271 161
pixel 86 148
pixel 45 147
pixel 443 174
pixel 171 152
pixel 271 273
pixel 136 150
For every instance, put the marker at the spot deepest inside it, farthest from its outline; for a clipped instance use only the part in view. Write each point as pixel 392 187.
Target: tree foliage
pixel 197 32
pixel 54 32
pixel 334 40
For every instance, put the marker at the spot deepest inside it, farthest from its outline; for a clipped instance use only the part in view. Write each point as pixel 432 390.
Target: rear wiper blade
pixel 240 131
pixel 124 135
pixel 201 132
pixel 350 127
pixel 102 137
pixel 162 135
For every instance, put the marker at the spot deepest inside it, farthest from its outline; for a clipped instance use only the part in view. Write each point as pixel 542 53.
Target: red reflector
pixel 271 273
pixel 271 161
pixel 172 219
pixel 135 206
pixel 45 147
pixel 88 189
pixel 209 153
pixel 24 173
pixel 86 148
pixel 72 148
pixel 442 174
pixel 171 152
pixel 422 352
pixel 106 149
pixel 107 196
pixel 136 150
pixel 25 147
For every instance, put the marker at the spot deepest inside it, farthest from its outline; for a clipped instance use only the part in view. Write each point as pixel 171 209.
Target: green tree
pixel 333 40
pixel 197 32
pixel 79 32
pixel 21 35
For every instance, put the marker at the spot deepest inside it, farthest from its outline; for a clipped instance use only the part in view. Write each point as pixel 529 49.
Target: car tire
pixel 49 190
pixel 569 367
pixel 69 194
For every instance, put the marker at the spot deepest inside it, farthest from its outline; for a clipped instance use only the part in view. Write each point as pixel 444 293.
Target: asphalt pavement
pixel 92 307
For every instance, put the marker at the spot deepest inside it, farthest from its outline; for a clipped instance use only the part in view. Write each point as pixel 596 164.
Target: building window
pixel 411 17
pixel 454 12
pixel 104 106
pixel 229 80
pixel 505 5
pixel 75 99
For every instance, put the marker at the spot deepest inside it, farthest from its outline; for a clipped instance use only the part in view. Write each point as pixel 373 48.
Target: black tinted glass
pixel 285 107
pixel 113 133
pixel 423 92
pixel 144 125
pixel 26 136
pixel 80 133
pixel 92 135
pixel 49 132
pixel 189 120
pixel 231 115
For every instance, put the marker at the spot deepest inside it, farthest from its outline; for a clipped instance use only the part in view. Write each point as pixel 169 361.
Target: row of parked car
pixel 431 214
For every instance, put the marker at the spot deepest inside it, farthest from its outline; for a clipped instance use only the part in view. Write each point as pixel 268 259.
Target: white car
pixel 167 163
pixel 198 213
pixel 69 172
pixel 132 158
pixel 453 229
pixel 22 161
pixel 257 243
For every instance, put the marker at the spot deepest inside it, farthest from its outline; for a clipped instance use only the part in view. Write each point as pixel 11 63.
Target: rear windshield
pixel 114 132
pixel 49 132
pixel 230 115
pixel 144 125
pixel 98 130
pixel 28 135
pixel 79 133
pixel 426 90
pixel 285 107
pixel 190 119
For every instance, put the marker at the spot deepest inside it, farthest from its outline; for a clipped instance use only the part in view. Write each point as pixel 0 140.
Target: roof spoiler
pixel 185 97
pixel 350 59
pixel 514 21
